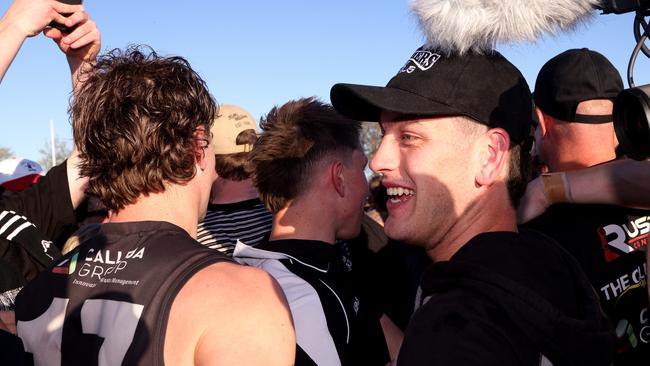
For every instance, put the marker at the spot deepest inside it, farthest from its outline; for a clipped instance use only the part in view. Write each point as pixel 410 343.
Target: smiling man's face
pixel 428 166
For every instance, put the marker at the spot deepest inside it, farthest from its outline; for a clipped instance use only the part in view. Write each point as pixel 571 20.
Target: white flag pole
pixel 52 142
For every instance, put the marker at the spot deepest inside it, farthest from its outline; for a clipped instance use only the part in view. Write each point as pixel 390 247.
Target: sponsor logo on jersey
pixel 625 238
pixel 46 244
pixel 635 278
pixel 99 264
pixel 67 266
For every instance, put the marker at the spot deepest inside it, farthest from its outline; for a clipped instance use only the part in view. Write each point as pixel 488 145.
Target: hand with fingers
pixel 81 45
pixel 29 17
pixel 26 18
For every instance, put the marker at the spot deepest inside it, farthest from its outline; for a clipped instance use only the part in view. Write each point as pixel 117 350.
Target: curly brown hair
pixel 295 137
pixel 134 123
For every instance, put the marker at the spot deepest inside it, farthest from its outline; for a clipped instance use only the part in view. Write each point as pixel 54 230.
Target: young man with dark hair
pixel 454 155
pixel 574 96
pixel 235 211
pixel 140 289
pixel 309 171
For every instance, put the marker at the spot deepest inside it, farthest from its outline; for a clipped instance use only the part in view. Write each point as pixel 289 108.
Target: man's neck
pixel 229 191
pixel 575 160
pixel 303 221
pixel 586 146
pixel 174 206
pixel 491 214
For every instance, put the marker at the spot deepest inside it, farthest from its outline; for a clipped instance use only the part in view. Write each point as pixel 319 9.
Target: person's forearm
pixel 623 183
pixel 10 40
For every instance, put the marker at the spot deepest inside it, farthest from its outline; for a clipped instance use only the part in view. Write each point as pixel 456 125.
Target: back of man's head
pixel 139 121
pixel 295 138
pixel 234 133
pixel 574 92
pixel 573 77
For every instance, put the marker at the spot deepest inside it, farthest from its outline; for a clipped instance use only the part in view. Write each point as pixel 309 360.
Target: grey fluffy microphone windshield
pixel 458 26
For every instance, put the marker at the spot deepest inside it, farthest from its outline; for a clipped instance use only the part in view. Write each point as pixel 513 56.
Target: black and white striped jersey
pixel 329 309
pixel 30 221
pixel 224 224
pixel 107 301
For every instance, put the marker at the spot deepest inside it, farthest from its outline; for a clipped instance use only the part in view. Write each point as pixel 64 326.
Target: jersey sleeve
pixel 46 204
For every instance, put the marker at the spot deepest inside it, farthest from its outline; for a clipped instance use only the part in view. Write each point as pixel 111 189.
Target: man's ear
pixel 543 121
pixel 199 148
pixel 337 178
pixel 494 156
pixel 201 160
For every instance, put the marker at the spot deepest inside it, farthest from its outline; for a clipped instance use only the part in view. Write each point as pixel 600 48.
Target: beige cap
pixel 230 122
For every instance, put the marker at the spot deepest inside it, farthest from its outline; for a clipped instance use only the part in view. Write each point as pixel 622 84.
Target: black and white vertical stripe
pixel 320 318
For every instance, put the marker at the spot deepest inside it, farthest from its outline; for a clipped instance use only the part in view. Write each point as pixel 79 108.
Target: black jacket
pixel 32 223
pixel 508 299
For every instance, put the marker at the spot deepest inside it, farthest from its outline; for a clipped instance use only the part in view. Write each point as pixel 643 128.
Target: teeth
pixel 399 191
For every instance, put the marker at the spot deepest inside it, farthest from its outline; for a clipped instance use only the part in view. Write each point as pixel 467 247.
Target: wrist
pixel 556 188
pixel 12 30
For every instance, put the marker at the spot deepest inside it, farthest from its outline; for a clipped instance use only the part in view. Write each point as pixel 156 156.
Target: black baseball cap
pixel 575 76
pixel 484 87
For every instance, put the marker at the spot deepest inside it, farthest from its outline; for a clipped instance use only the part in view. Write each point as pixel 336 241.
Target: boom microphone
pixel 458 26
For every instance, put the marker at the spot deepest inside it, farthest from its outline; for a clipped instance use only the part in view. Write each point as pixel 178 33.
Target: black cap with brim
pixel 486 88
pixel 572 77
pixel 365 103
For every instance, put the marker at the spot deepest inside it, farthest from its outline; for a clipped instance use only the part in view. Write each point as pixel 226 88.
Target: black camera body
pixel 632 121
pixel 632 105
pixel 623 6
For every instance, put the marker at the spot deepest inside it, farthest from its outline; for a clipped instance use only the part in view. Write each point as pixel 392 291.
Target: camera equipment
pixel 632 106
pixel 623 6
pixel 632 121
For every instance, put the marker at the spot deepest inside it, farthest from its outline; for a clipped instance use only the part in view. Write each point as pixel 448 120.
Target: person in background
pixel 574 96
pixel 18 174
pixel 235 211
pixel 141 282
pixel 309 171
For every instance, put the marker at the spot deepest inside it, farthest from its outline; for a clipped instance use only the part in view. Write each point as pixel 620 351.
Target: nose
pixel 385 158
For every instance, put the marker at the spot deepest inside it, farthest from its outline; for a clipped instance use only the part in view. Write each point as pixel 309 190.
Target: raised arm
pixel 81 46
pixel 26 18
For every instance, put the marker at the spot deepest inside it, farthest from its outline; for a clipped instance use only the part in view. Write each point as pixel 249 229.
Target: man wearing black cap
pixel 574 95
pixel 454 157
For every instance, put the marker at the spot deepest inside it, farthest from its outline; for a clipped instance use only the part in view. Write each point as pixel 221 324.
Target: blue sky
pixel 261 54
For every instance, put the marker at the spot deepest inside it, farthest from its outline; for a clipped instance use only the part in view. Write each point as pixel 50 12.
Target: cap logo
pixel 236 116
pixel 242 124
pixel 30 167
pixel 421 59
